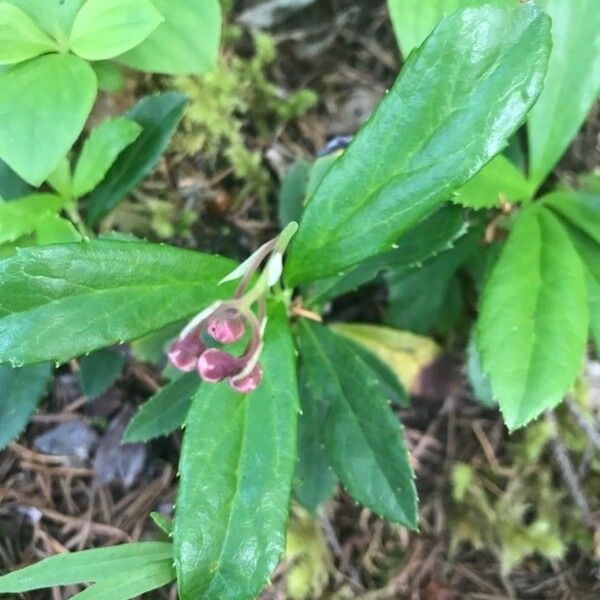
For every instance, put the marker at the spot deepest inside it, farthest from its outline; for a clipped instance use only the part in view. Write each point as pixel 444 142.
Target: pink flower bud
pixel 215 365
pixel 227 328
pixel 184 352
pixel 249 383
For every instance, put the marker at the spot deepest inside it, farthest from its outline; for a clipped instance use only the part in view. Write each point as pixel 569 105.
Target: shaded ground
pixel 50 504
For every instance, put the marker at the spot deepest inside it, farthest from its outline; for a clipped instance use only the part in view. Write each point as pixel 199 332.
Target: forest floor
pixel 488 500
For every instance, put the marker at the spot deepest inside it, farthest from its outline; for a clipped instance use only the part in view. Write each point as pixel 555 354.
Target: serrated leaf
pixel 187 43
pixel 363 437
pixel 125 586
pixel 230 521
pixel 20 37
pixel 498 182
pixel 100 150
pixel 572 83
pixel 22 389
pixel 414 20
pixel 104 29
pixel 165 411
pixel 85 566
pixel 314 481
pixel 455 104
pixel 158 115
pixel 533 320
pixel 99 370
pixel 21 217
pixel 436 233
pixel 57 302
pixel 33 147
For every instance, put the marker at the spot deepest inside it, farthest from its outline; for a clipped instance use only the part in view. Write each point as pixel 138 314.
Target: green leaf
pixel 85 566
pixel 236 469
pixel 479 381
pixel 52 229
pixel 314 481
pixel 187 43
pixel 165 411
pixel 53 16
pixel 33 147
pixel 60 180
pixel 11 185
pixel 580 209
pixel 454 106
pixel 159 116
pixel 363 437
pixel 572 84
pixel 22 389
pixel 533 320
pixel 100 151
pixel 125 586
pixel 434 234
pixel 22 216
pixel 498 182
pixel 20 38
pixel 292 192
pixel 435 280
pixel 104 29
pixel 57 302
pixel 99 370
pixel 110 76
pixel 414 20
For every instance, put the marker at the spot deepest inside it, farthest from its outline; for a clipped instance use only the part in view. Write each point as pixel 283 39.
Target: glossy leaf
pixel 230 521
pixel 363 437
pixel 21 217
pixel 533 320
pixel 498 182
pixel 314 481
pixel 99 370
pixel 165 411
pixel 572 83
pixel 104 29
pixel 454 106
pixel 186 43
pixel 58 302
pixel 100 151
pixel 22 389
pixel 125 586
pixel 85 566
pixel 20 37
pixel 34 147
pixel 414 20
pixel 434 234
pixel 158 115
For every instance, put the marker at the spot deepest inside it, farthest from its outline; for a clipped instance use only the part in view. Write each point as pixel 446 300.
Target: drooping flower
pixel 227 321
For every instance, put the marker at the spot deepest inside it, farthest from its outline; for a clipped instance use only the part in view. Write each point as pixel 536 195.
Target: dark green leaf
pixel 186 43
pixel 158 115
pixel 33 147
pixel 293 192
pixel 99 371
pixel 236 470
pixel 434 234
pixel 314 480
pixel 22 389
pixel 165 411
pixel 11 185
pixel 533 321
pixel 479 381
pixel 125 586
pixel 85 566
pixel 57 302
pixel 363 437
pixel 571 86
pixel 457 101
